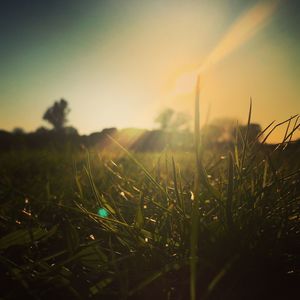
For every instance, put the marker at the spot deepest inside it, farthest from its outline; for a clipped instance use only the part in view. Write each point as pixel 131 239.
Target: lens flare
pixel 244 28
pixel 102 212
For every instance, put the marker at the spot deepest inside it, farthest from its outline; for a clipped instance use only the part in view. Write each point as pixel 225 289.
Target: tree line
pixel 174 129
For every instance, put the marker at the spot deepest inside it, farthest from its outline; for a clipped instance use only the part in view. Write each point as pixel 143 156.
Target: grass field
pixel 88 224
pixel 109 187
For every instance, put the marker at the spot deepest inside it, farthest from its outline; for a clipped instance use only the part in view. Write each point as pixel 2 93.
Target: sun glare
pixel 185 83
pixel 244 28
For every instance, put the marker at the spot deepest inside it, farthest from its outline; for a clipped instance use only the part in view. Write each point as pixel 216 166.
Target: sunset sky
pixel 118 62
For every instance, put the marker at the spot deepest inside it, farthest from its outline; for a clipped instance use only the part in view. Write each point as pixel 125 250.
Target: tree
pixel 225 130
pixel 164 118
pixel 218 131
pixel 254 130
pixel 18 131
pixel 56 115
pixel 172 121
pixel 181 121
pixel 41 130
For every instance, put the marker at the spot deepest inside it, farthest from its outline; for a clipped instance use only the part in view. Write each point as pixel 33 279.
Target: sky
pixel 118 63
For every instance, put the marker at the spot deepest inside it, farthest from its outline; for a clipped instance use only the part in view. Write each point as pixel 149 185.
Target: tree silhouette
pixel 253 131
pixel 181 121
pixel 172 121
pixel 226 129
pixel 164 118
pixel 56 115
pixel 18 131
pixel 218 131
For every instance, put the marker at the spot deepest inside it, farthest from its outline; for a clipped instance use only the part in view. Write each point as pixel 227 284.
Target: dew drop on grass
pixel 291 218
pixel 28 213
pixel 192 196
pixel 151 220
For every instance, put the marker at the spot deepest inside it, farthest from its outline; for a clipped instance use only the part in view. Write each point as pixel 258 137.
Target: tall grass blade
pixel 276 126
pixel 178 197
pixel 195 212
pixel 246 135
pixel 230 188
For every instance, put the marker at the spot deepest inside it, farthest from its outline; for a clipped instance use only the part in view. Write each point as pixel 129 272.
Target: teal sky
pixel 115 61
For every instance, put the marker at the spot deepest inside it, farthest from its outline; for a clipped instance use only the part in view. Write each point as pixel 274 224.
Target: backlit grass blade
pixel 195 206
pixel 276 126
pixel 178 197
pixel 246 135
pixel 148 175
pixel 230 188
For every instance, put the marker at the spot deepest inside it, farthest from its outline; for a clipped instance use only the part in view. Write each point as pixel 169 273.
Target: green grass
pixel 178 225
